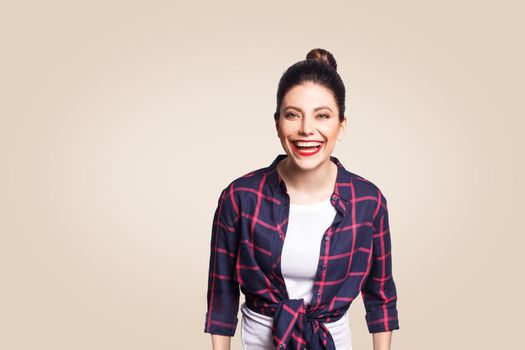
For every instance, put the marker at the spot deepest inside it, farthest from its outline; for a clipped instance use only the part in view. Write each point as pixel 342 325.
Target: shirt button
pixel 281 346
pixel 326 238
pixel 323 267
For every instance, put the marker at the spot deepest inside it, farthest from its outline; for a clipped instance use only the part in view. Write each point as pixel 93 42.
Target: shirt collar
pixel 343 178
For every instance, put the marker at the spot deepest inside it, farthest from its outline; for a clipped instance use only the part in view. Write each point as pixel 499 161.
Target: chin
pixel 307 163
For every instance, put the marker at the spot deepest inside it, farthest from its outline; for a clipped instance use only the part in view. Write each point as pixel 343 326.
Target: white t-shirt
pixel 300 257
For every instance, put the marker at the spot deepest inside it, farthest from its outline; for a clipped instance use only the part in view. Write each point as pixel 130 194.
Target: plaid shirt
pixel 249 228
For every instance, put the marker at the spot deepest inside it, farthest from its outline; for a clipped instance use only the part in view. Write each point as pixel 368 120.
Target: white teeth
pixel 307 144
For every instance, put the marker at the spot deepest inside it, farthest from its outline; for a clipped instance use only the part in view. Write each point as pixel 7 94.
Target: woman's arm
pixel 379 290
pixel 223 289
pixel 382 340
pixel 220 342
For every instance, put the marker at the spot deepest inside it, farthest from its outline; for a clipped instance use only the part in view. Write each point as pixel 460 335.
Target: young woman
pixel 302 237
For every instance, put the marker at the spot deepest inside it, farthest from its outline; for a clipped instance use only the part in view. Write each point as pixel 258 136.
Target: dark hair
pixel 320 68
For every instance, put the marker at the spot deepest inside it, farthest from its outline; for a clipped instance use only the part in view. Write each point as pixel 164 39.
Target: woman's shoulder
pixel 251 180
pixel 364 191
pixel 364 186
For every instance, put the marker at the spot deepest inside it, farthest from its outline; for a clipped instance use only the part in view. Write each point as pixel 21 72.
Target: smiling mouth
pixel 307 148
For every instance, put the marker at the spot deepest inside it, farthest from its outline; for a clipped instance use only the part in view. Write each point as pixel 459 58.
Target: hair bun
pixel 323 56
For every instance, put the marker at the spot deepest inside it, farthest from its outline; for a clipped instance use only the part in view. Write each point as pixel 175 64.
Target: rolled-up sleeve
pixel 223 290
pixel 379 290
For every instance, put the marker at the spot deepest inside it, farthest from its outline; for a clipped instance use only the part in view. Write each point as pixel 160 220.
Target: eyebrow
pixel 315 109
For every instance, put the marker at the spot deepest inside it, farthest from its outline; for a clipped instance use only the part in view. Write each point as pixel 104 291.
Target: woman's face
pixel 309 114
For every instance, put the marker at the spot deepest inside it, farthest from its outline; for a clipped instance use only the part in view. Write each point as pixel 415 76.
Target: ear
pixel 342 129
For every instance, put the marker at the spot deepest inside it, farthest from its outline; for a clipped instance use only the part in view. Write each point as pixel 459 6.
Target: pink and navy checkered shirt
pixel 249 228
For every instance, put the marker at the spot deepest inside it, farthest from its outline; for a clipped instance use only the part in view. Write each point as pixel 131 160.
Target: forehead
pixel 309 95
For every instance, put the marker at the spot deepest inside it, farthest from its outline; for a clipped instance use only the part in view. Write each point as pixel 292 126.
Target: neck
pixel 312 181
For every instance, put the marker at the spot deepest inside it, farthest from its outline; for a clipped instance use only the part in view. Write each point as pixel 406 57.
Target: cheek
pixel 286 129
pixel 331 132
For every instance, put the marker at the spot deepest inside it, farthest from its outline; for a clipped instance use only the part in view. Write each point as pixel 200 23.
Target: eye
pixel 290 115
pixel 324 116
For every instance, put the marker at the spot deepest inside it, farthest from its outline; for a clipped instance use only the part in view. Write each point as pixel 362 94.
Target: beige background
pixel 121 121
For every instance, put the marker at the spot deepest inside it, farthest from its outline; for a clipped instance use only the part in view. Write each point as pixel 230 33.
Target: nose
pixel 306 126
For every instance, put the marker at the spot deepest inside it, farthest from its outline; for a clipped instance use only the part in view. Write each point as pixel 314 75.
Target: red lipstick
pixel 306 152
